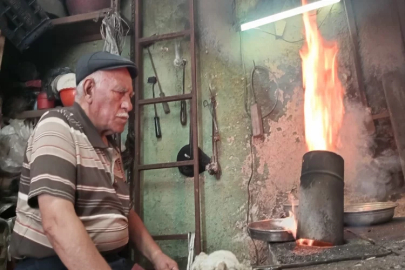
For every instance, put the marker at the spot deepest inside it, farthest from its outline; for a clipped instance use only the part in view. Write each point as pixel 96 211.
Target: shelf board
pixel 31 114
pixel 96 15
pixel 78 28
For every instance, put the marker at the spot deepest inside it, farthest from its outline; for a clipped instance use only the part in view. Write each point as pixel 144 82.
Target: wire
pixel 295 41
pixel 248 202
pixel 251 147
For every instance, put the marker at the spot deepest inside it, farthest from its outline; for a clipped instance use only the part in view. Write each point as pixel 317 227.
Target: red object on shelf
pixel 86 6
pixel 67 96
pixel 43 102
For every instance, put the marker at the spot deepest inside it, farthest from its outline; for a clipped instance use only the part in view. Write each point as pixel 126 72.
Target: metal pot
pixel 85 6
pixel 269 230
pixel 321 198
pixel 366 214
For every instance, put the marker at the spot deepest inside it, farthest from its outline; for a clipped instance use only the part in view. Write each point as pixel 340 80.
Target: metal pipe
pixel 321 198
pixel 137 111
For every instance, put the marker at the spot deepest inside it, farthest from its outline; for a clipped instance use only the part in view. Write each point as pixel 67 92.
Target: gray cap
pixel 95 61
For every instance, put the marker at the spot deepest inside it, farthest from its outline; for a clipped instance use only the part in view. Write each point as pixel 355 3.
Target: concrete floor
pixel 390 236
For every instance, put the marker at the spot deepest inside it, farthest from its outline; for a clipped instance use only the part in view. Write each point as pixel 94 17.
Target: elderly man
pixel 73 206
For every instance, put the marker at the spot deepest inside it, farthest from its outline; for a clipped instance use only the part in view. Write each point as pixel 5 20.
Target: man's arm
pixel 53 189
pixel 140 236
pixel 67 234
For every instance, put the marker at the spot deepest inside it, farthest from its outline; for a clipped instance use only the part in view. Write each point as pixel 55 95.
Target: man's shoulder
pixel 66 115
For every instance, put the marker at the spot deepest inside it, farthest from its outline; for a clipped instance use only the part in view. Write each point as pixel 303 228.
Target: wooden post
pixel 357 62
pixel 394 89
pixel 2 43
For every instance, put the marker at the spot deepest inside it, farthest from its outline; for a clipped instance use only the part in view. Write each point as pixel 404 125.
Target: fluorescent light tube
pixel 287 14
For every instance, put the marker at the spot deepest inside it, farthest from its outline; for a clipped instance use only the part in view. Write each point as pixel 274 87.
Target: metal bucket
pixel 321 198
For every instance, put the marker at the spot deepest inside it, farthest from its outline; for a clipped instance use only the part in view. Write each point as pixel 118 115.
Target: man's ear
pixel 88 90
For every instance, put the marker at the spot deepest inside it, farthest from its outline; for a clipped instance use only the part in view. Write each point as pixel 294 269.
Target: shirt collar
pixel 88 127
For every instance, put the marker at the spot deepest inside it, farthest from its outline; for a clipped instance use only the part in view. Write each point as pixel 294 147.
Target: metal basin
pixel 364 214
pixel 269 231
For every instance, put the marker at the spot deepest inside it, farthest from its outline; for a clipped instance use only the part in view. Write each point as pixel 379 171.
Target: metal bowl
pixel 364 214
pixel 269 230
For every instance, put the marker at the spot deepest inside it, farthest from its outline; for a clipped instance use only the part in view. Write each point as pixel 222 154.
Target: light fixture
pixel 287 14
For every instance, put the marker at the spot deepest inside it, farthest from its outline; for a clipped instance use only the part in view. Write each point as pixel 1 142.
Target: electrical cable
pixel 248 202
pixel 294 41
pixel 251 147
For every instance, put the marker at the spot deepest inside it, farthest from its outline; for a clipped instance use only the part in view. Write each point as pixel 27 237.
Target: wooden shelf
pixel 31 114
pixel 78 28
pixel 96 15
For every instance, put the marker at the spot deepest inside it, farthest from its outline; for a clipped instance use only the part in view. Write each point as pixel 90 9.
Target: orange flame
pixel 290 222
pixel 324 93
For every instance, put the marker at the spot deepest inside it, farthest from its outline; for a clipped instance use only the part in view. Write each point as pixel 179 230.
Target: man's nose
pixel 126 105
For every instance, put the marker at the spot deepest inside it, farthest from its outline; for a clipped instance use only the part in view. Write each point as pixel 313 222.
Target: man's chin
pixel 119 129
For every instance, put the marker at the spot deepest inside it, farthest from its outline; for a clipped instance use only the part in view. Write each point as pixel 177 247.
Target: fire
pixel 311 242
pixel 323 107
pixel 290 222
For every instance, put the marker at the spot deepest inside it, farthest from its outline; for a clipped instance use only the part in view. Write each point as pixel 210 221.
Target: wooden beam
pixel 357 62
pixel 394 89
pixel 381 115
pixel 401 11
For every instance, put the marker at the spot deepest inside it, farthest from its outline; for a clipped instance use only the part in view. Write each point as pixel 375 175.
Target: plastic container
pixel 67 96
pixel 43 102
pixel 22 22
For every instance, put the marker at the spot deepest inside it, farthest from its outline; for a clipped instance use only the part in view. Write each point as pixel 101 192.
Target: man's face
pixel 111 101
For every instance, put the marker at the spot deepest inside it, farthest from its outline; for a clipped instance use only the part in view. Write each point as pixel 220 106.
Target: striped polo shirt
pixel 67 158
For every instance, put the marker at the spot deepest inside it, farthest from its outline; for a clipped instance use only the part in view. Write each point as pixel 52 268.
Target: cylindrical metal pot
pixel 321 198
pixel 85 6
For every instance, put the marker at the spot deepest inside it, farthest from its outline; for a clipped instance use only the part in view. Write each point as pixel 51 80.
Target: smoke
pixel 366 175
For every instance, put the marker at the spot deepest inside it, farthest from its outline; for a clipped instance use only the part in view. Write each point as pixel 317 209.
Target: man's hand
pixel 145 244
pixel 162 262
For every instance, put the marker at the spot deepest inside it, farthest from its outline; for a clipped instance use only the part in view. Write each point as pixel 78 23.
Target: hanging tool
pixel 161 94
pixel 158 132
pixel 213 167
pixel 183 104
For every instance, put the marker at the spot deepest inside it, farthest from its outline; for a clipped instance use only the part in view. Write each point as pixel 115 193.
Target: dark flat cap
pixel 95 61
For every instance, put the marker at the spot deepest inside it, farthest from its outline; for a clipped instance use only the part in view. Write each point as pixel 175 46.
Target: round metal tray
pixel 269 231
pixel 364 214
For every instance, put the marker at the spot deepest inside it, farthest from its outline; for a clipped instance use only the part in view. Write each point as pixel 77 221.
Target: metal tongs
pixel 213 168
